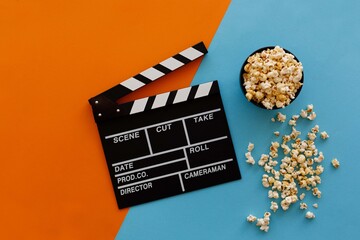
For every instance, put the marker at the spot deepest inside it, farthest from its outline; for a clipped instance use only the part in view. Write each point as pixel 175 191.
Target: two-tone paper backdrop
pixel 55 55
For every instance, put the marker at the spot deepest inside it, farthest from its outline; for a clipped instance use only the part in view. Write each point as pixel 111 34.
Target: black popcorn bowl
pixel 242 71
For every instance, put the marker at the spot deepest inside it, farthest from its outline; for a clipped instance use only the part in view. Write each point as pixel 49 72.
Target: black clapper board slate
pixel 167 144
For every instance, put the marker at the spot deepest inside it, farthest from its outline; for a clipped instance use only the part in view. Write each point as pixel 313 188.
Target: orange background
pixel 54 56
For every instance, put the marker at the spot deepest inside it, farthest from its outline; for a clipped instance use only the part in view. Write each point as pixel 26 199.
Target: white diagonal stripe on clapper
pixel 160 100
pixel 191 53
pixel 152 73
pixel 171 63
pixel 132 84
pixel 182 95
pixel 139 105
pixel 203 90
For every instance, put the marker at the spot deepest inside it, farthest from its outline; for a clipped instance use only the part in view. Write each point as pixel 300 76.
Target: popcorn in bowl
pixel 271 78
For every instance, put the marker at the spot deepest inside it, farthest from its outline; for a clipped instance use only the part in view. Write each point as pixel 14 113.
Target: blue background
pixel 325 37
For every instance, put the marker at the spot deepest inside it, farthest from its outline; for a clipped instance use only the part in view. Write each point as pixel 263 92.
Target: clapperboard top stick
pixel 104 105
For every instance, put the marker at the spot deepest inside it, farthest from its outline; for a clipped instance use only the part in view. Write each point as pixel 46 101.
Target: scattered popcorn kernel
pixel 271 180
pixel 315 205
pixel 310 108
pixel 274 206
pixel 273 119
pixel 260 222
pixel 294 134
pixel 320 158
pixel 286 138
pixel 310 215
pixel 315 129
pixel 263 159
pixel 312 116
pixel 311 136
pixel 301 158
pixel 273 194
pixel 250 147
pixel 286 149
pixel 303 206
pixel 284 205
pixel 263 223
pixel 265 183
pixel 316 192
pixel 267 168
pixel 281 117
pixel 303 113
pixel 249 158
pixel 319 170
pixel 308 153
pixel 251 218
pixel 335 163
pixel 292 122
pixel 264 228
pixel 277 133
pixel 295 117
pixel 324 135
pixel 302 196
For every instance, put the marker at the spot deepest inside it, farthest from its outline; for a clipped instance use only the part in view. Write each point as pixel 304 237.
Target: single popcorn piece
pixel 263 159
pixel 286 149
pixel 308 153
pixel 311 136
pixel 273 119
pixel 284 205
pixel 250 147
pixel 315 205
pixel 294 134
pixel 312 116
pixel 324 135
pixel 302 196
pixel 295 117
pixel 319 170
pixel 264 228
pixel 274 206
pixel 260 222
pixel 273 194
pixel 249 158
pixel 303 113
pixel 265 181
pixel 292 122
pixel 310 108
pixel 281 117
pixel 316 192
pixel 267 168
pixel 315 129
pixel 277 133
pixel 303 206
pixel 309 215
pixel 251 218
pixel 320 158
pixel 286 138
pixel 263 223
pixel 335 163
pixel 267 216
pixel 272 78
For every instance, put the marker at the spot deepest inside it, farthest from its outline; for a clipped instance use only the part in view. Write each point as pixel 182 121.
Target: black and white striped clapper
pixel 164 145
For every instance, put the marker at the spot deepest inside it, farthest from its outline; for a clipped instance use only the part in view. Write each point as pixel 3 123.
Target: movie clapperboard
pixel 167 144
